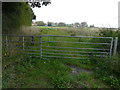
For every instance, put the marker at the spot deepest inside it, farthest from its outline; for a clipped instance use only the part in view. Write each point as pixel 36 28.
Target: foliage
pixel 61 24
pixel 55 73
pixel 18 14
pixel 45 73
pixel 49 23
pixel 38 4
pixel 84 24
pixel 49 72
pixel 92 25
pixel 40 23
pixel 107 70
pixel 109 32
pixel 77 24
pixel 15 15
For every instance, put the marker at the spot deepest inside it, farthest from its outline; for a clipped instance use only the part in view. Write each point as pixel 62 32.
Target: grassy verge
pixel 107 70
pixel 57 73
pixel 48 73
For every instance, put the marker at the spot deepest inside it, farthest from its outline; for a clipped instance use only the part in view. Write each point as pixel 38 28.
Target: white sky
pixel 101 13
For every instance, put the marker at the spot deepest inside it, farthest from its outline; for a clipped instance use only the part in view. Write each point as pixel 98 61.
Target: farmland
pixel 21 71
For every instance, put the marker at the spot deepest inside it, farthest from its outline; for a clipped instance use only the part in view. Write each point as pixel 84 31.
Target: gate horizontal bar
pixel 13 35
pixel 65 57
pixel 34 53
pixel 74 54
pixel 73 36
pixel 75 48
pixel 78 42
pixel 75 51
pixel 29 50
pixel 22 41
pixel 28 47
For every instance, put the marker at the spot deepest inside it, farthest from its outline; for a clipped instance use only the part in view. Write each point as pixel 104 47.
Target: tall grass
pixel 107 69
pixel 55 72
pixel 106 32
pixel 69 31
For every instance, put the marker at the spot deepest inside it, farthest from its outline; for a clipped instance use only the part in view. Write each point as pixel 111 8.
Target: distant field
pixel 69 31
pixel 42 30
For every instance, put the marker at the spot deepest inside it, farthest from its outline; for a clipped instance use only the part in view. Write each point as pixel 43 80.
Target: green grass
pixel 68 31
pixel 25 72
pixel 47 73
pixel 65 31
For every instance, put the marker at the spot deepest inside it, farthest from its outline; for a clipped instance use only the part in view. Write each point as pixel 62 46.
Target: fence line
pixel 75 48
pixel 79 42
pixel 74 51
pixel 41 50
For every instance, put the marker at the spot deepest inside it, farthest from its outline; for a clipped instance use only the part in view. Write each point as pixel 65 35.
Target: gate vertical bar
pixel 111 47
pixel 40 46
pixel 48 40
pixel 6 40
pixel 115 45
pixel 32 40
pixel 23 43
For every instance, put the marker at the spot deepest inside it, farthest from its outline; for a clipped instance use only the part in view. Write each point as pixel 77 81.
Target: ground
pixel 21 71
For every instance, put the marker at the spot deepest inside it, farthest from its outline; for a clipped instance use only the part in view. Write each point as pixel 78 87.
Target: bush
pixel 107 70
pixel 15 15
pixel 109 32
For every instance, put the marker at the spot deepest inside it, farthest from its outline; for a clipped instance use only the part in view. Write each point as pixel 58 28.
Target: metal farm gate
pixel 55 46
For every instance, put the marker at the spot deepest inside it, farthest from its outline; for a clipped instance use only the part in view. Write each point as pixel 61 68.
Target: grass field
pixel 49 73
pixel 21 71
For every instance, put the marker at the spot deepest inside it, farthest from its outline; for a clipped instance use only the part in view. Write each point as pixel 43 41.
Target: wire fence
pixel 57 46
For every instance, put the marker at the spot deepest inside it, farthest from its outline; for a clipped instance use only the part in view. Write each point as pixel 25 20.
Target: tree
pixel 17 14
pixel 56 24
pixel 49 23
pixel 40 3
pixel 92 25
pixel 34 17
pixel 76 24
pixel 84 24
pixel 40 23
pixel 61 24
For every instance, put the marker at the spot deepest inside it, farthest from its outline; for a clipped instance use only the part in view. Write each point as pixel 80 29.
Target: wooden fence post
pixel 115 45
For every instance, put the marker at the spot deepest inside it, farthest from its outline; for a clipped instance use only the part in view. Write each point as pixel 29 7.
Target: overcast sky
pixel 101 13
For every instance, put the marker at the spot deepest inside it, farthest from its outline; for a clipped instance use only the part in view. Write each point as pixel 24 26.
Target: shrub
pixel 107 70
pixel 109 32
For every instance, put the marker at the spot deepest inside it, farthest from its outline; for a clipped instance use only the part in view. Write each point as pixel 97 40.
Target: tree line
pixel 76 24
pixel 18 14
